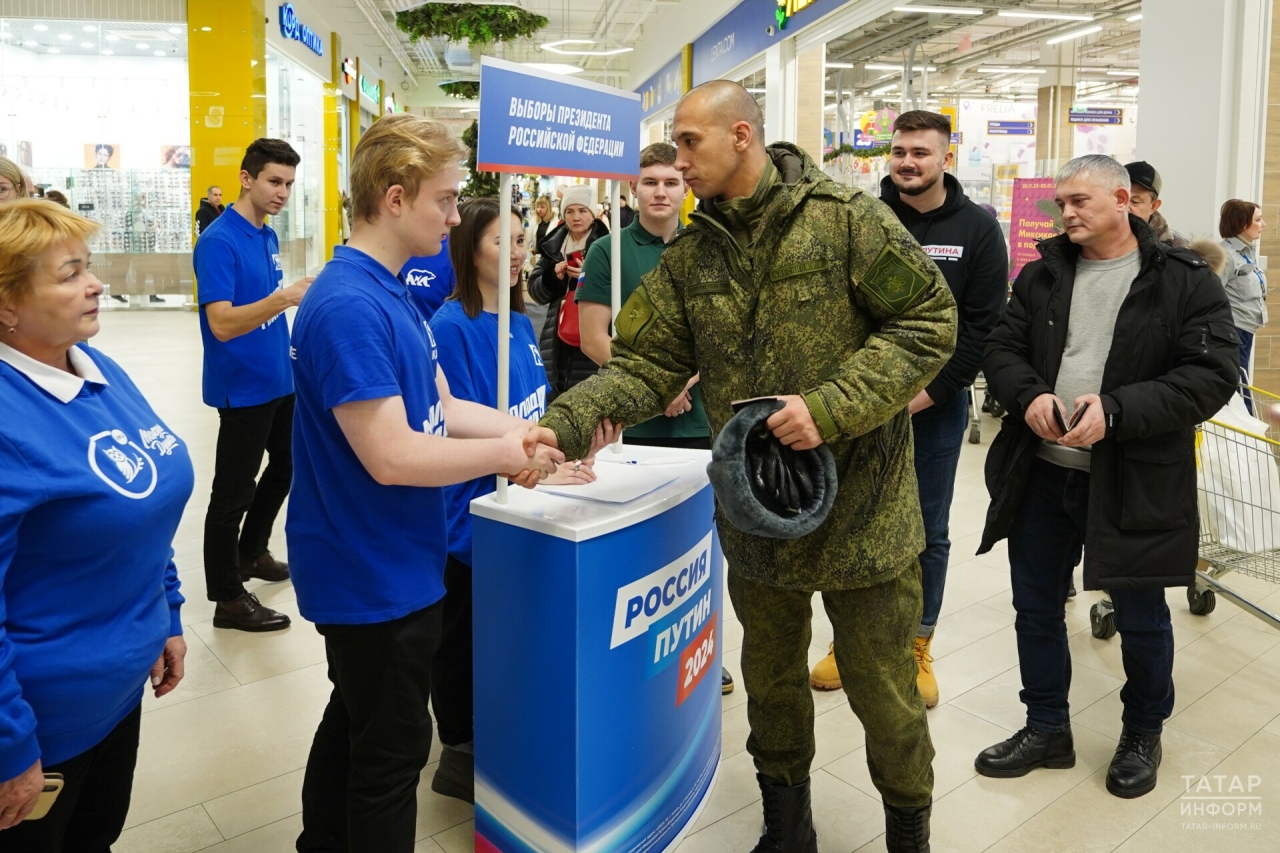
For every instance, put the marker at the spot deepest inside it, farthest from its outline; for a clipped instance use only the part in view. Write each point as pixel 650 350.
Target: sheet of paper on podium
pixel 617 484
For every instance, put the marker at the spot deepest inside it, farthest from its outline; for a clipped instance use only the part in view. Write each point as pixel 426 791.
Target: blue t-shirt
pixel 430 280
pixel 361 552
pixel 240 264
pixel 469 359
pixel 91 493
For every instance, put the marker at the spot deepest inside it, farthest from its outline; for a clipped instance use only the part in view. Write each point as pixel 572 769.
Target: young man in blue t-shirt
pixel 247 378
pixel 378 437
pixel 430 280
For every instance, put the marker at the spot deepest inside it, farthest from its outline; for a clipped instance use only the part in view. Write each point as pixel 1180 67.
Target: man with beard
pixel 967 245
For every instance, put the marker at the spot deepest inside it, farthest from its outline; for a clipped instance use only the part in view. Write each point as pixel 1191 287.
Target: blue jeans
pixel 939 435
pixel 1044 545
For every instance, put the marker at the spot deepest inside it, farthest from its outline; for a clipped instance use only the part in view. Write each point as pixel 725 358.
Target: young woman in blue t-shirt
pixel 466 331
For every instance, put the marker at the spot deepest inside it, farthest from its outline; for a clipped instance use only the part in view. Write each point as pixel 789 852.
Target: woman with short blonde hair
pixel 13 184
pixel 94 487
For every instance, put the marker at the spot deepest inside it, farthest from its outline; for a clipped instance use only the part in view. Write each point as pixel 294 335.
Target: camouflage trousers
pixel 875 632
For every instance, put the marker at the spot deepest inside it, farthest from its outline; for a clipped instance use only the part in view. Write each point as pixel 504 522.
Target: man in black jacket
pixel 967 245
pixel 210 209
pixel 1129 343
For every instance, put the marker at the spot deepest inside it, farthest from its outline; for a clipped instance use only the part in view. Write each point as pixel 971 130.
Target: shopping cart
pixel 1238 491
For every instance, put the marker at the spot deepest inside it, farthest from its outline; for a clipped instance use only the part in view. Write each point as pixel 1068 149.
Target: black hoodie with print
pixel 968 246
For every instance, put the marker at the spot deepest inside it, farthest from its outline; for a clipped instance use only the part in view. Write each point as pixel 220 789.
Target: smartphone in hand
pixel 1076 416
pixel 1057 417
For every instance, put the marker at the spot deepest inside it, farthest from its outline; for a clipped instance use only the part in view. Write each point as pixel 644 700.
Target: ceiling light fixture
pixel 90 28
pixel 64 37
pixel 939 10
pixel 30 43
pixel 607 50
pixel 159 53
pixel 143 46
pixel 177 31
pixel 1122 73
pixel 1132 18
pixel 883 89
pixel 553 67
pixel 86 44
pixel 991 69
pixel 882 66
pixel 1075 35
pixel 113 38
pixel 839 64
pixel 41 28
pixel 1045 16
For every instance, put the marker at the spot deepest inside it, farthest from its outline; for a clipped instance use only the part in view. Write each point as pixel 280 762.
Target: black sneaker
pixel 456 775
pixel 1133 767
pixel 726 682
pixel 1025 751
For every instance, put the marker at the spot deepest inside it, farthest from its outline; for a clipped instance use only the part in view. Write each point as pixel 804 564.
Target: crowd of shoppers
pixel 394 430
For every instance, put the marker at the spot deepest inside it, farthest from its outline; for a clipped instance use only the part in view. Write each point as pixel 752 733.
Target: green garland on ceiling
pixel 479 24
pixel 862 153
pixel 467 90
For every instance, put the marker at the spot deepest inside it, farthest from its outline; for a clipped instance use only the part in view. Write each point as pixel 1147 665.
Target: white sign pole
pixel 504 308
pixel 615 272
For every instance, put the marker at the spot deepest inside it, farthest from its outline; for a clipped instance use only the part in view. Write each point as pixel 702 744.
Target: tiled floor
pixel 220 767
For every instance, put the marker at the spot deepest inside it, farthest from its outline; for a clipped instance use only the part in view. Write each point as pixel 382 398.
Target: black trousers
pixel 89 813
pixel 244 434
pixel 452 679
pixel 360 789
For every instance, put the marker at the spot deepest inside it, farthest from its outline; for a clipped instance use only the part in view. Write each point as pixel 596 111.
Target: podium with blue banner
pixel 597 631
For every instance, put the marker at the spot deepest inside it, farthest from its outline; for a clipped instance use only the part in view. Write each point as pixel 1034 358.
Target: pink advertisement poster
pixel 1034 217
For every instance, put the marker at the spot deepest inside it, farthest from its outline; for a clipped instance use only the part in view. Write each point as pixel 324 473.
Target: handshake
pixel 538 450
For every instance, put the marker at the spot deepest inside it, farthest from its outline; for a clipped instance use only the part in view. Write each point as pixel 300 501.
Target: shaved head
pixel 726 103
pixel 719 136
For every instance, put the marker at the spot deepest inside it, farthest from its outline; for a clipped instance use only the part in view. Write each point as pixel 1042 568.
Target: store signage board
pixel 1031 220
pixel 571 127
pixel 371 89
pixel 748 30
pixel 293 29
pixel 1011 128
pixel 662 89
pixel 1084 115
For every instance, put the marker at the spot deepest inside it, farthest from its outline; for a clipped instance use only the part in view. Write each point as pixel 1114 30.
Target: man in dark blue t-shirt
pixel 430 280
pixel 249 380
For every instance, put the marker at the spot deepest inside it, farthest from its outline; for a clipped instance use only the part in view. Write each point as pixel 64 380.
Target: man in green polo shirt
pixel 658 194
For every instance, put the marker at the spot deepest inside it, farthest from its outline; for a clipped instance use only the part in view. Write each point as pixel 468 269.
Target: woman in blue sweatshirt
pixel 466 331
pixel 92 486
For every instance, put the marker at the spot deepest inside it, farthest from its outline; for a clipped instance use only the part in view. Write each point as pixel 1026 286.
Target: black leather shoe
pixel 788 818
pixel 1025 751
pixel 906 829
pixel 726 682
pixel 456 775
pixel 246 613
pixel 265 567
pixel 1133 767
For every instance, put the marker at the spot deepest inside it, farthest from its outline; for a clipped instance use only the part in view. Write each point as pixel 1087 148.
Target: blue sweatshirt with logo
pixel 92 487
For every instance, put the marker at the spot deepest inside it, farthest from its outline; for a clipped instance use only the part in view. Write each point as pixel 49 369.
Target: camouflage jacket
pixel 836 302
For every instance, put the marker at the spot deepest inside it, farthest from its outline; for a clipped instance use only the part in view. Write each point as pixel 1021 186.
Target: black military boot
pixel 906 829
pixel 788 818
pixel 1133 767
pixel 1025 751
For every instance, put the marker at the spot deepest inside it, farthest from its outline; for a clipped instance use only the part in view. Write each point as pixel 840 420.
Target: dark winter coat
pixel 1172 365
pixel 206 214
pixel 566 365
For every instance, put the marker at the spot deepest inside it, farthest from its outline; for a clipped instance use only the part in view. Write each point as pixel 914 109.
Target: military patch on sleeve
pixel 636 317
pixel 893 282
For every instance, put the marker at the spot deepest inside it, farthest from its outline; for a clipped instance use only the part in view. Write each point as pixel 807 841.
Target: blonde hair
pixel 9 171
pixel 551 208
pixel 28 228
pixel 399 149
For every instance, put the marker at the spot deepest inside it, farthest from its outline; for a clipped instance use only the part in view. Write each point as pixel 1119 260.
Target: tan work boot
pixel 927 684
pixel 825 675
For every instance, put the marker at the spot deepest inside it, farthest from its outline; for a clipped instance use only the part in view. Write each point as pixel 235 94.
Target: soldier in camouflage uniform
pixel 788 284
